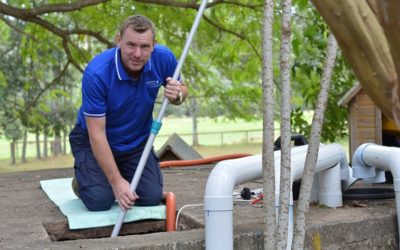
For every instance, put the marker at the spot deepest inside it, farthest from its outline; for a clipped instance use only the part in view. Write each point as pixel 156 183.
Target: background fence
pixel 204 139
pixel 217 138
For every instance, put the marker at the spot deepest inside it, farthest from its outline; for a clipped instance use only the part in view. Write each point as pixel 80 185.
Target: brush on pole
pixel 157 123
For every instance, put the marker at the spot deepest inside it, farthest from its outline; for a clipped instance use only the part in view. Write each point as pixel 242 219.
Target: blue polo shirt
pixel 108 91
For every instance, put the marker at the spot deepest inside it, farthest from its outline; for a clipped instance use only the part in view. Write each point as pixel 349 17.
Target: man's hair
pixel 138 23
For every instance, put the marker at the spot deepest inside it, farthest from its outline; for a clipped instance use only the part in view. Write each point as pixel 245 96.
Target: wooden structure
pixel 365 118
pixel 177 149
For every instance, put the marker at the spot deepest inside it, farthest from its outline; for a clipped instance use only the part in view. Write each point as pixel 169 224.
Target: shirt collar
pixel 121 72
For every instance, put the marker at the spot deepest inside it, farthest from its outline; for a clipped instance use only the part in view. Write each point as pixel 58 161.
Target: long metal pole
pixel 157 124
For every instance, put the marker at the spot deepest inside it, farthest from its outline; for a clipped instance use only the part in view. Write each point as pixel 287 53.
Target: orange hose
pixel 170 204
pixel 209 160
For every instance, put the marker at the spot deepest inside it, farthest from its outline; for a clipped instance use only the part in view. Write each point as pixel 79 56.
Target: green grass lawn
pixel 34 164
pixel 181 126
pixel 218 128
pixel 64 161
pixel 221 142
pixel 210 144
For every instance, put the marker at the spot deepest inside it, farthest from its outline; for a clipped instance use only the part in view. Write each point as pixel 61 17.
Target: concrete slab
pixel 24 209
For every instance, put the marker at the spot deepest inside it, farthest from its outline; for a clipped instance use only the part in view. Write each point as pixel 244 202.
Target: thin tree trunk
pixel 56 145
pixel 64 147
pixel 12 151
pixel 268 129
pixel 313 147
pixel 38 153
pixel 285 176
pixel 193 109
pixel 24 144
pixel 45 149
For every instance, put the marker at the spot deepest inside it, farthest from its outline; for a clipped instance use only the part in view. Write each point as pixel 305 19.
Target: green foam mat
pixel 60 192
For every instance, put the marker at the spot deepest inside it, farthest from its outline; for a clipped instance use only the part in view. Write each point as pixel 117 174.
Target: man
pixel 119 88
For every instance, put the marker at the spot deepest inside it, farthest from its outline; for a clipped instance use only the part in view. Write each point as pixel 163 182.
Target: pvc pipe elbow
pixel 360 168
pixel 224 177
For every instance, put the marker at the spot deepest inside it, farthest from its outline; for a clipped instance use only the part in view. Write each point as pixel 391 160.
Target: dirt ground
pixel 25 208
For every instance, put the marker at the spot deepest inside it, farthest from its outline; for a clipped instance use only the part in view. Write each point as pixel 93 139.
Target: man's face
pixel 136 49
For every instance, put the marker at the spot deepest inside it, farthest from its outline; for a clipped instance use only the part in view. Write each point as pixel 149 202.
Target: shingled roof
pixel 175 148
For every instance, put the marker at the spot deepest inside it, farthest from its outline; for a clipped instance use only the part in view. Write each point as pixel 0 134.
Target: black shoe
pixel 75 187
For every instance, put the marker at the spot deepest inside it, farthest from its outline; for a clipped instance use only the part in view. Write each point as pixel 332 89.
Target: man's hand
pixel 172 90
pixel 125 198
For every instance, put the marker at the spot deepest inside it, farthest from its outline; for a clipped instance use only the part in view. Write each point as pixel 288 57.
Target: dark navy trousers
pixel 94 189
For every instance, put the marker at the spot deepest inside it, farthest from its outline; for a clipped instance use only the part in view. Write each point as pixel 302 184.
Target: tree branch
pixel 193 5
pixel 219 27
pixel 32 16
pixel 52 83
pixel 16 28
pixel 33 102
pixel 94 34
pixel 70 57
pixel 314 144
pixel 49 8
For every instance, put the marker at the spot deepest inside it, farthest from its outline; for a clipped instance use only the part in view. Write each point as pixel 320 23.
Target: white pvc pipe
pixel 218 202
pixel 371 160
pixel 330 192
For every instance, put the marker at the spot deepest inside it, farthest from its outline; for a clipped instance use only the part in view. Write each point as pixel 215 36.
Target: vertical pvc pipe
pixel 157 124
pixel 219 223
pixel 218 201
pixel 396 185
pixel 370 160
pixel 314 190
pixel 330 190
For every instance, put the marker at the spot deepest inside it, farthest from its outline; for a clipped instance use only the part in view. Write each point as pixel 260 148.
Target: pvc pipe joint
pixel 218 203
pixel 371 160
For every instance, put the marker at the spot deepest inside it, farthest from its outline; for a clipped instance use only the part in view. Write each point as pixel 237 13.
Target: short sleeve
pixel 93 95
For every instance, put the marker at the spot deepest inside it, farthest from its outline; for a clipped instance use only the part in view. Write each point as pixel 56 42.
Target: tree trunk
pixel 56 145
pixel 12 151
pixel 268 129
pixel 45 149
pixel 285 177
pixel 312 152
pixel 64 147
pixel 38 153
pixel 365 45
pixel 193 110
pixel 24 144
pixel 388 14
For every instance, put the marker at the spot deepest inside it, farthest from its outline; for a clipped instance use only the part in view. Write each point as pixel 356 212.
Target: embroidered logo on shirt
pixel 153 83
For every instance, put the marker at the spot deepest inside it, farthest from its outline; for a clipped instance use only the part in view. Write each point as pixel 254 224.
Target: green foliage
pixel 13 131
pixel 309 45
pixel 3 82
pixel 223 68
pixel 28 70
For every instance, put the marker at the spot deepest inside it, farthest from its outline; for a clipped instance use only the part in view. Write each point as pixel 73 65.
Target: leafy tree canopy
pixel 55 40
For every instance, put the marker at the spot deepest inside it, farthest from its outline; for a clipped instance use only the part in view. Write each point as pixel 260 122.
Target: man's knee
pixel 97 201
pixel 150 198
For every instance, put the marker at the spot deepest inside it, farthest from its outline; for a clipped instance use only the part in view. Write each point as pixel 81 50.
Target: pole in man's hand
pixel 157 123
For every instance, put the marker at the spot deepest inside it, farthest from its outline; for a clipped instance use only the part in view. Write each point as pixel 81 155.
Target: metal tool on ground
pixel 157 123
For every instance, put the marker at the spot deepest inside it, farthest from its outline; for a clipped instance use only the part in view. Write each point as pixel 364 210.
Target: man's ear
pixel 117 39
